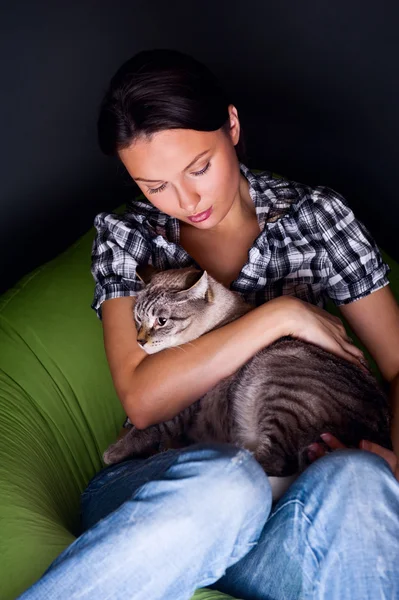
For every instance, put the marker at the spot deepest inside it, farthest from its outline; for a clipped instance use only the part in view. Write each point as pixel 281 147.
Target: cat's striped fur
pixel 277 404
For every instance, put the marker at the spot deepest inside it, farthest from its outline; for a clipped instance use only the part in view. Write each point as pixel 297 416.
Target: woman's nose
pixel 188 201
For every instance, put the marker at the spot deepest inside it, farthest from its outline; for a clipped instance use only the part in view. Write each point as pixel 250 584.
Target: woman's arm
pixel 154 388
pixel 375 320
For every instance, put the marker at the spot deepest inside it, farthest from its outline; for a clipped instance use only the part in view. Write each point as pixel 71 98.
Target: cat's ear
pixel 200 290
pixel 146 273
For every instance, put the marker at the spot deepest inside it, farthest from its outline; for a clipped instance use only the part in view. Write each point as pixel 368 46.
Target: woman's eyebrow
pixel 188 166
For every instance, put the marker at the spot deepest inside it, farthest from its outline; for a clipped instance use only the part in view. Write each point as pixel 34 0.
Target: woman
pixel 160 528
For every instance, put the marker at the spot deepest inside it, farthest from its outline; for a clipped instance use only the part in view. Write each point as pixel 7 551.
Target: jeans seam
pixel 305 539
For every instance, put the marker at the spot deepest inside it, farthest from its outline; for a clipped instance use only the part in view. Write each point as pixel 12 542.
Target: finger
pixel 359 362
pixel 332 441
pixel 345 349
pixel 354 350
pixel 355 356
pixel 389 456
pixel 315 451
pixel 335 319
pixel 323 314
pixel 365 364
pixel 342 330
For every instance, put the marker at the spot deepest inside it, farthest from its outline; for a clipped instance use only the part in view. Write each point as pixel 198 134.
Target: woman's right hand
pixel 310 323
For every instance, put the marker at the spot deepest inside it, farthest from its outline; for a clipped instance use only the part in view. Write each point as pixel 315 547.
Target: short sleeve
pixel 118 248
pixel 356 267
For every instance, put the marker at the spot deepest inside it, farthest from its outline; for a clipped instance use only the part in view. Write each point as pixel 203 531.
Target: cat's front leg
pixel 136 443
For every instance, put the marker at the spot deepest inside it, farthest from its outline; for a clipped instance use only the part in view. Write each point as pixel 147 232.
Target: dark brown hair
pixel 158 90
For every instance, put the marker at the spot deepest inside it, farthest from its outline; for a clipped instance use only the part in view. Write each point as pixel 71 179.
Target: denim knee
pixel 223 471
pixel 222 493
pixel 349 480
pixel 341 475
pixel 357 467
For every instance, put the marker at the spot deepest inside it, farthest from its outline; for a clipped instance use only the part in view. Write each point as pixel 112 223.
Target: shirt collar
pixel 273 196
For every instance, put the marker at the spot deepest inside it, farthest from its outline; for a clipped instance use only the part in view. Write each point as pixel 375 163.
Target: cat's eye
pixel 161 321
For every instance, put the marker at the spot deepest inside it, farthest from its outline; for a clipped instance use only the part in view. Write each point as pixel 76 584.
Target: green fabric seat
pixel 58 412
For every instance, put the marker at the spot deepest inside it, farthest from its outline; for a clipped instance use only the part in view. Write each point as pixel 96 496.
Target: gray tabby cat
pixel 277 404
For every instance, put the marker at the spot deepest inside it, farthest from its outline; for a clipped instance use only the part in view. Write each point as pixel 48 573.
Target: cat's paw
pixel 115 453
pixel 107 457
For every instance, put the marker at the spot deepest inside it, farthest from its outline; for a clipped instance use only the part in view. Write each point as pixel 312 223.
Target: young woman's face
pixel 195 174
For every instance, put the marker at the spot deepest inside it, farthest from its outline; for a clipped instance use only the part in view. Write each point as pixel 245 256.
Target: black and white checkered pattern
pixel 310 246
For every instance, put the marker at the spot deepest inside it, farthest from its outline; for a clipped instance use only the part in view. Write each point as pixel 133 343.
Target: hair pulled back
pixel 160 89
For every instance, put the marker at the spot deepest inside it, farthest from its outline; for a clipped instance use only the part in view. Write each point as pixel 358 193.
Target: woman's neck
pixel 242 210
pixel 240 214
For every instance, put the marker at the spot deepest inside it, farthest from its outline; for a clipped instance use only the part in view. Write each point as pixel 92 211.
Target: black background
pixel 315 83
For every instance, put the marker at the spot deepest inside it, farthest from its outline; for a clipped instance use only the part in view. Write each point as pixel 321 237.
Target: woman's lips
pixel 201 216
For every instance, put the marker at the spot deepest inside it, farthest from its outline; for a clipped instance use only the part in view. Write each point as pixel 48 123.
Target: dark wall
pixel 315 83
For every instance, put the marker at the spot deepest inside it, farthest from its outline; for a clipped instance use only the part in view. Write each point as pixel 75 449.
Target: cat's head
pixel 174 308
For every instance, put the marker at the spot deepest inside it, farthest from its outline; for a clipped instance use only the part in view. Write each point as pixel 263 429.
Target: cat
pixel 275 405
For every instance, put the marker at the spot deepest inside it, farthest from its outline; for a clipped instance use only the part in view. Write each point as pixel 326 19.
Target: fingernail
pixel 313 452
pixel 311 455
pixel 326 437
pixel 313 448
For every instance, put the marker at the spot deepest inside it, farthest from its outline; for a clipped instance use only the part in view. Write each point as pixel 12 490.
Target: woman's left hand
pixel 316 451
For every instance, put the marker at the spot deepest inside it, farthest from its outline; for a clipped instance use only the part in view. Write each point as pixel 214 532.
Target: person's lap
pixel 116 484
pixel 286 558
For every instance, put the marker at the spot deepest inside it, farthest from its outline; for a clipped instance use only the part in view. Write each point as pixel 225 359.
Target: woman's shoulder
pixel 137 217
pixel 281 200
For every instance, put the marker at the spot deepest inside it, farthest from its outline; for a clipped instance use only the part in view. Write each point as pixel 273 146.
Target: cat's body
pixel 277 404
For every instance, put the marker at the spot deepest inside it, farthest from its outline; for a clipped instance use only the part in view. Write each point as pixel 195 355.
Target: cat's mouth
pixel 151 347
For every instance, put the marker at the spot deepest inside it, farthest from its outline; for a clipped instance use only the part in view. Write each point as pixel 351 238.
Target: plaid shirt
pixel 310 246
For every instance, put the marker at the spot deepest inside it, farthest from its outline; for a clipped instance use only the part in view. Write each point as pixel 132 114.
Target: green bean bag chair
pixel 58 412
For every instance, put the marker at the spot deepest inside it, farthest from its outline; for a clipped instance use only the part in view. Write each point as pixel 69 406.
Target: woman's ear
pixel 234 124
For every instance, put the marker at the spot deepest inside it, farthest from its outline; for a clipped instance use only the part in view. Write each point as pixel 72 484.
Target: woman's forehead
pixel 167 152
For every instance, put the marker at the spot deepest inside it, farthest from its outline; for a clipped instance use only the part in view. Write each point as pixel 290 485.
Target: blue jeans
pixel 157 529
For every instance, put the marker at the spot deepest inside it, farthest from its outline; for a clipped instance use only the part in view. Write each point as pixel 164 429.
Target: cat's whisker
pixel 180 348
pixel 176 347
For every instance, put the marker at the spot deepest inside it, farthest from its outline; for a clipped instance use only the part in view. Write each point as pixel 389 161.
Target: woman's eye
pixel 163 186
pixel 156 190
pixel 161 321
pixel 204 170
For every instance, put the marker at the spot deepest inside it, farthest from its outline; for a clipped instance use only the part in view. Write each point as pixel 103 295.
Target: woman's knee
pixel 356 466
pixel 209 491
pixel 342 476
pixel 222 477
